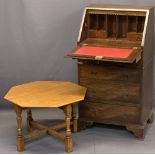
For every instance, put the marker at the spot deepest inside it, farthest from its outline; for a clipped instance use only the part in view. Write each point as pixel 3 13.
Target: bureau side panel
pixel 147 93
pixel 148 48
pixel 147 75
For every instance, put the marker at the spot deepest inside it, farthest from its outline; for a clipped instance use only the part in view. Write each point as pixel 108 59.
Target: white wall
pixel 35 35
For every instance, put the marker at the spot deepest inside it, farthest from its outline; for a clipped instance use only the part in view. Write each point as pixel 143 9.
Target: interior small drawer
pixel 133 36
pixel 97 34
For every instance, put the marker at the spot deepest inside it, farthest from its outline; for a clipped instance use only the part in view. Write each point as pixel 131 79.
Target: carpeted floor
pixel 99 139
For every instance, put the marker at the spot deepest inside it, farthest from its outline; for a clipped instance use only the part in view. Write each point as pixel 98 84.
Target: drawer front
pixel 112 73
pixel 99 91
pixel 134 36
pixel 97 34
pixel 110 113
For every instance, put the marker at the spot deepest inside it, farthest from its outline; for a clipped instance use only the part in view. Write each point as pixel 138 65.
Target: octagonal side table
pixel 46 94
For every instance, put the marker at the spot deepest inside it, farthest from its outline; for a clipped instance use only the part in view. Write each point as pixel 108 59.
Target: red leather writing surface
pixel 105 52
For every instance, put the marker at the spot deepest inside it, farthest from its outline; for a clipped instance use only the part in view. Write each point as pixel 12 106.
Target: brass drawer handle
pixel 93 91
pixel 125 77
pixel 126 94
pixel 125 116
pixel 92 110
pixel 93 72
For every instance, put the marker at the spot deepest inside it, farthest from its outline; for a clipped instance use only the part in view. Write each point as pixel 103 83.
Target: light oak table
pixel 46 94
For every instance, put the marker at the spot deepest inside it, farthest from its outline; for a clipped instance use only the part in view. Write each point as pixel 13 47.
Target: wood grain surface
pixel 46 94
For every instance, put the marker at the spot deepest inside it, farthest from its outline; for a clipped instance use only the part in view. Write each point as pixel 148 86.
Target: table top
pixel 46 94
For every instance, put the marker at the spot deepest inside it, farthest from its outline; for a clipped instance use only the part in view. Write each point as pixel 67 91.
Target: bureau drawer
pixel 109 72
pixel 97 34
pixel 133 36
pixel 99 91
pixel 111 113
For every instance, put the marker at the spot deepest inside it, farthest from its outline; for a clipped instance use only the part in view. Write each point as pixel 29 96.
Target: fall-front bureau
pixel 115 63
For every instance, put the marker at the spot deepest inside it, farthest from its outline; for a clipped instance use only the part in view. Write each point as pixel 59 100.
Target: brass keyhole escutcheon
pixel 125 77
pixel 126 94
pixel 125 116
pixel 93 72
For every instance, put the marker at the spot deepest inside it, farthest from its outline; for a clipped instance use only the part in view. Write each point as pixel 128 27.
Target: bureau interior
pixel 125 26
pixel 115 26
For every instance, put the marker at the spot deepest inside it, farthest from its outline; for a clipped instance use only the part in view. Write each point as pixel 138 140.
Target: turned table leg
pixel 68 138
pixel 75 118
pixel 20 138
pixel 29 120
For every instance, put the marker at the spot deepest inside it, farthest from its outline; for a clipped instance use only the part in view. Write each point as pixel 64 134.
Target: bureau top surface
pixel 46 94
pixel 119 6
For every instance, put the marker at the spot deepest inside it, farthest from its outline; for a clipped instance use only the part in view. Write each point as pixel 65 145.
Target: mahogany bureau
pixel 115 63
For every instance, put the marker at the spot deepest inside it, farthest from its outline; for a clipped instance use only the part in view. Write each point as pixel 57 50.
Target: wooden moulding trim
pixel 115 12
pixel 116 9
